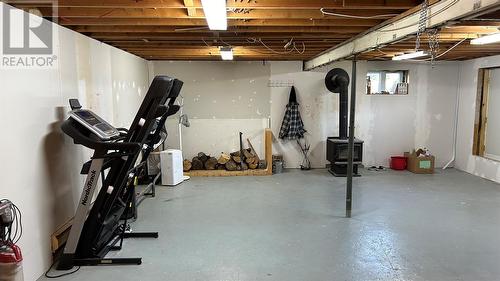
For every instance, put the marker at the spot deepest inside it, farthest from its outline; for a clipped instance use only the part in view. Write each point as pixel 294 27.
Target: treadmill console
pixel 94 123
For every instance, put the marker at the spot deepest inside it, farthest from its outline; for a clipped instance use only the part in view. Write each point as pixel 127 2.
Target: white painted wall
pixel 221 99
pixel 41 165
pixel 465 161
pixel 389 125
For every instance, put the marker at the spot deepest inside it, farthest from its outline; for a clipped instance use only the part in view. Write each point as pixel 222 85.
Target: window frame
pixel 383 74
pixel 481 114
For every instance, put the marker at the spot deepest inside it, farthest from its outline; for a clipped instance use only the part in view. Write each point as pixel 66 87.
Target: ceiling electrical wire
pixel 452 47
pixel 354 16
pixel 303 48
pixel 203 39
pixel 227 44
pixel 290 46
pixel 445 52
pixel 269 48
pixel 452 3
pixel 288 49
pixel 219 39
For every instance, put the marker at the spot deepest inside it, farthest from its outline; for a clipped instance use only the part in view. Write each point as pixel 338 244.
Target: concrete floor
pixel 291 227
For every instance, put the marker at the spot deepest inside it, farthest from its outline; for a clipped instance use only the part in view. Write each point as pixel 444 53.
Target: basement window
pixel 387 82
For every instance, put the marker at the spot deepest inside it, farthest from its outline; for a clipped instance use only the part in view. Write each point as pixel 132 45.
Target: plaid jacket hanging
pixel 292 127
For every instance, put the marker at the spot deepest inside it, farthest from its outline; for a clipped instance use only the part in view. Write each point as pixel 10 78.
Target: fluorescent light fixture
pixel 215 13
pixel 226 53
pixel 488 39
pixel 410 55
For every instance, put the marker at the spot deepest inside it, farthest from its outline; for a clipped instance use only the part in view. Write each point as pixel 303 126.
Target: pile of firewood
pixel 229 162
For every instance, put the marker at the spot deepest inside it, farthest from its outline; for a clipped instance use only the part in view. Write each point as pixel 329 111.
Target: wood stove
pixel 337 81
pixel 336 154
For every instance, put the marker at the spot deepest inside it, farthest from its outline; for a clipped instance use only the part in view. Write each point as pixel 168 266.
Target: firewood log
pixel 224 158
pixel 247 153
pixel 221 166
pixel 186 165
pixel 253 150
pixel 231 165
pixel 250 160
pixel 243 166
pixel 236 159
pixel 253 165
pixel 203 157
pixel 211 163
pixel 196 164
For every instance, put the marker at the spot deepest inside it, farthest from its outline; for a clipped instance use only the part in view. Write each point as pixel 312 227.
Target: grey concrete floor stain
pixel 291 226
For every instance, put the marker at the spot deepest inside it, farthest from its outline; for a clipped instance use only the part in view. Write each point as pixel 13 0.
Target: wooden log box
pixel 230 167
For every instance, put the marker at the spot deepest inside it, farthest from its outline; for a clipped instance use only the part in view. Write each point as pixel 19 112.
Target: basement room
pixel 250 140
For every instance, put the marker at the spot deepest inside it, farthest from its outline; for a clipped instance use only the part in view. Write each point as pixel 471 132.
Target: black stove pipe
pixel 337 81
pixel 343 105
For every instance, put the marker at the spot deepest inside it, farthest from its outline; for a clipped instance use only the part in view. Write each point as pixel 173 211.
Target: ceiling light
pixel 492 38
pixel 226 53
pixel 215 13
pixel 410 55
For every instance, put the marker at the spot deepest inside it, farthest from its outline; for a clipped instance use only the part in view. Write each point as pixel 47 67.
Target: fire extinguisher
pixel 11 263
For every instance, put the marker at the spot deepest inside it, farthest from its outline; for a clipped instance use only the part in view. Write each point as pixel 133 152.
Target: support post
pixel 350 149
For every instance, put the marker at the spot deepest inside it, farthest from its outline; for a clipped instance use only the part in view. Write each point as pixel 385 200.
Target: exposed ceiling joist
pixel 202 22
pixel 251 29
pixel 257 29
pixel 398 29
pixel 191 10
pixel 260 4
pixel 68 12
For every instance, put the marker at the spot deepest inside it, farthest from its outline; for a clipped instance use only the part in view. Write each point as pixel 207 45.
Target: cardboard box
pixel 420 165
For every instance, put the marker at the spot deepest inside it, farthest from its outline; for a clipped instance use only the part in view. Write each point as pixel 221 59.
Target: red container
pixel 11 267
pixel 398 163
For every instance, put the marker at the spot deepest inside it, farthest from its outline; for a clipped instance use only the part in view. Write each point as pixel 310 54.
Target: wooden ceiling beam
pixel 456 50
pixel 209 36
pixel 212 48
pixel 64 12
pixel 166 29
pixel 479 23
pixel 191 10
pixel 202 22
pixel 260 4
pixel 470 29
pixel 218 58
pixel 149 45
pixel 216 53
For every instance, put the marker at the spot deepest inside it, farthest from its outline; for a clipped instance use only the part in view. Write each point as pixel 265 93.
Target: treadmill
pixel 98 226
pixel 156 136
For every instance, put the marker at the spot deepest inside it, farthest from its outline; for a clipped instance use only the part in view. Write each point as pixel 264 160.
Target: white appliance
pixel 171 167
